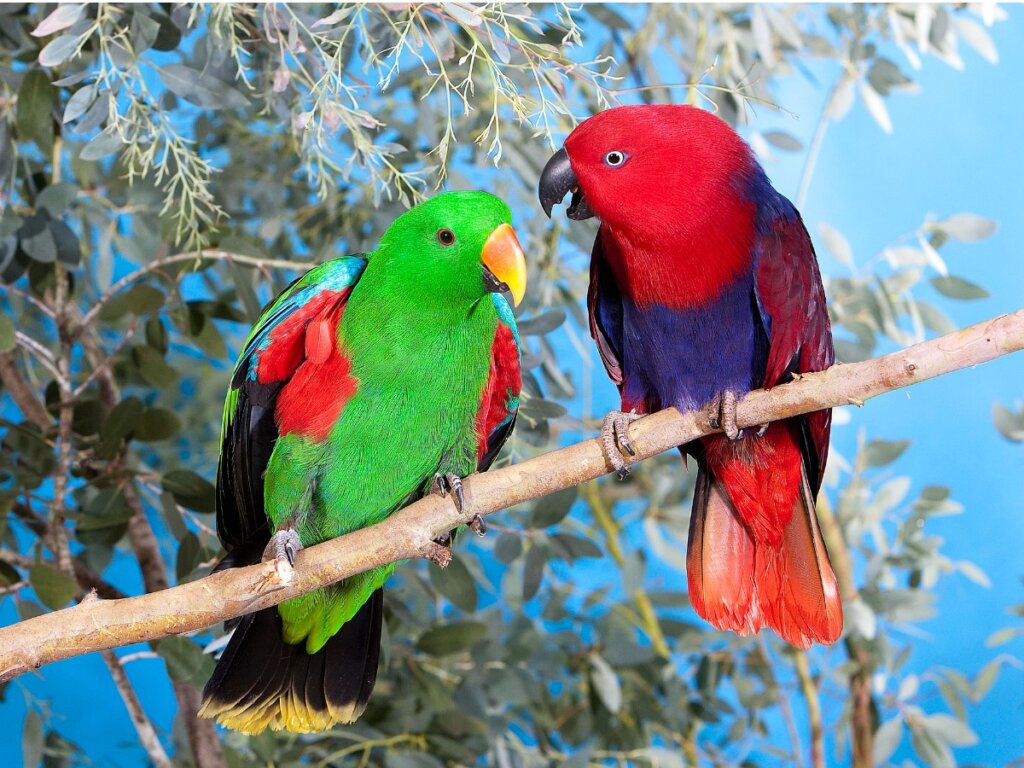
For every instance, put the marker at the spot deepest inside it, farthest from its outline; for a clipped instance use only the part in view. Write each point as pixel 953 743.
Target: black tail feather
pixel 262 681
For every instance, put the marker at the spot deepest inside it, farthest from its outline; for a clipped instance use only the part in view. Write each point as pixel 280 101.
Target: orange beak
pixel 504 261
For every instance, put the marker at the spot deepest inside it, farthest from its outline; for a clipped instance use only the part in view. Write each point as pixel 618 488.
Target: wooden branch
pixel 102 624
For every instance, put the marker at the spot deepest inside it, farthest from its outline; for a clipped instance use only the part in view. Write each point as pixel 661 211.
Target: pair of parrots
pixel 376 378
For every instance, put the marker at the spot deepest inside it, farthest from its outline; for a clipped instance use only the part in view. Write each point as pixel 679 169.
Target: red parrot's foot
pixel 282 548
pixel 615 436
pixel 725 419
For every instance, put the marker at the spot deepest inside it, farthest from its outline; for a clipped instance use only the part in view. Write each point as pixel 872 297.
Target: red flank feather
pixel 504 378
pixel 306 347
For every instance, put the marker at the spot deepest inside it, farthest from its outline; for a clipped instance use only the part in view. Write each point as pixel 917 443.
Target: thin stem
pixel 158 264
pixel 810 692
pixel 143 727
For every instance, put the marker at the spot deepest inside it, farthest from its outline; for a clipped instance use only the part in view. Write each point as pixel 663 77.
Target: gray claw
pixel 615 437
pixel 282 549
pixel 478 525
pixel 450 482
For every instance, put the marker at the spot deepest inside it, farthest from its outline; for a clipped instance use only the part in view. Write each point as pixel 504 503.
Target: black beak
pixel 556 180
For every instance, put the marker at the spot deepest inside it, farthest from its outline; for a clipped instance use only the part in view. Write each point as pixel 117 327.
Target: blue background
pixel 955 148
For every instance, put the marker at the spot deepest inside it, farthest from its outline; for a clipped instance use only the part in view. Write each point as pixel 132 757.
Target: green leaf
pixel 56 198
pixel 152 367
pixel 879 453
pixel 60 18
pixel 542 324
pixel 101 145
pixel 836 243
pixel 107 508
pixel 606 683
pixel 887 739
pixel 186 662
pixel 200 88
pixel 456 583
pixel 576 546
pixel 967 227
pixel 37 239
pixel 69 251
pixel 533 571
pixel 507 548
pixel 782 140
pixel 190 490
pixel 139 300
pixel 157 424
pixel 119 424
pixel 1009 424
pixel 79 103
pixel 951 730
pixel 451 638
pixel 54 588
pixel 172 514
pixel 34 118
pixel 58 50
pixel 930 749
pixel 189 553
pixel 32 740
pixel 7 338
pixel 986 679
pixel 958 288
pixel 552 509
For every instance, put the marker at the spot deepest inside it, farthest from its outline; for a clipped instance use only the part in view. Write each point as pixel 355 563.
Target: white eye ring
pixel 615 158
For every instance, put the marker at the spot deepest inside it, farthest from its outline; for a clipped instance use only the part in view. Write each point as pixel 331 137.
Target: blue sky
pixel 955 148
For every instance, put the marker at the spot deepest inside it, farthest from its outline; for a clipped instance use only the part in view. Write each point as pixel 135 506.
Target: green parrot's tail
pixel 261 681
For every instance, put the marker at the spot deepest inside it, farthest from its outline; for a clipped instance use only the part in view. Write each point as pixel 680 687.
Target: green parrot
pixel 371 380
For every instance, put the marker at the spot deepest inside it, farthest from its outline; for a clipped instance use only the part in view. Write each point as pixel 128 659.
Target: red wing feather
pixel 792 302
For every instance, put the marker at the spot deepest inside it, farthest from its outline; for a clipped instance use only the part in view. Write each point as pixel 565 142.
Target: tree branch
pixel 102 624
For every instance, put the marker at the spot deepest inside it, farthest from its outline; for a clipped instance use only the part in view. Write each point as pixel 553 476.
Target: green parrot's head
pixel 457 246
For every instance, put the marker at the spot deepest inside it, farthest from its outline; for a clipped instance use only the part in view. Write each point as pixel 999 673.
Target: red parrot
pixel 704 286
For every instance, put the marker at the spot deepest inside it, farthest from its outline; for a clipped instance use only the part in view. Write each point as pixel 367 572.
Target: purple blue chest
pixel 684 358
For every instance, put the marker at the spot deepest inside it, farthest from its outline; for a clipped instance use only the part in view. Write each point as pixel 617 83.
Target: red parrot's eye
pixel 615 158
pixel 445 237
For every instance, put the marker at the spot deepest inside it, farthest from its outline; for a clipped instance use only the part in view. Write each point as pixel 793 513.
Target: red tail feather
pixel 751 563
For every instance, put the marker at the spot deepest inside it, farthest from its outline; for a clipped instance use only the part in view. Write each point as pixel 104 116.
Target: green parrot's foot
pixel 478 526
pixel 725 405
pixel 282 548
pixel 615 437
pixel 447 483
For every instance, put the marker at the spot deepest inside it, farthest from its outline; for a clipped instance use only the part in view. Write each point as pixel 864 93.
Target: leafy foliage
pixel 164 170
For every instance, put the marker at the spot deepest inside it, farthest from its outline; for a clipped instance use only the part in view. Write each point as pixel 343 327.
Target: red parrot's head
pixel 665 168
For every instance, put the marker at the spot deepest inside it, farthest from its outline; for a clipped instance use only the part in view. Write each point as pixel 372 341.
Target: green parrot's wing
pixel 299 326
pixel 500 402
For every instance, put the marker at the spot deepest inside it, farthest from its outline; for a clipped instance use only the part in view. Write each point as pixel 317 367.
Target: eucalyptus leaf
pixel 189 489
pixel 53 588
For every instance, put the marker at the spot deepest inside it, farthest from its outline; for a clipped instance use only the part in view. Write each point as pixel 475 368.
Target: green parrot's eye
pixel 615 158
pixel 445 237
